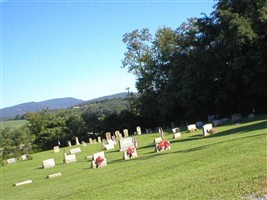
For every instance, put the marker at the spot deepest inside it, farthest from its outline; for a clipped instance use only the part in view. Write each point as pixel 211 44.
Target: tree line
pixel 212 65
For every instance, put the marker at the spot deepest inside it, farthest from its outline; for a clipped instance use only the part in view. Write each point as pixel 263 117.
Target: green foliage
pixel 207 63
pixel 230 164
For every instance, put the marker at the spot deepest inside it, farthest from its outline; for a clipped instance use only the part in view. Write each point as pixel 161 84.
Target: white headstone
pixel 157 140
pixel 54 175
pixel 24 157
pixel 109 146
pixel 56 149
pixel 69 143
pixel 99 139
pixel 11 160
pixel 176 130
pixel 125 133
pixel 177 135
pixel 206 128
pixel 77 141
pixel 84 144
pixel 23 183
pixel 191 127
pixel 70 158
pixel 75 150
pixel 49 163
pixel 125 143
pixel 138 130
pixel 95 156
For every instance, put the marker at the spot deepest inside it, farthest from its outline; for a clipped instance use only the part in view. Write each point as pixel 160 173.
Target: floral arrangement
pixel 130 151
pixel 163 145
pixel 99 160
pixel 212 131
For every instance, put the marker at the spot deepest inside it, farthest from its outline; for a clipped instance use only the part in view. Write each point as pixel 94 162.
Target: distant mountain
pixel 51 104
pixel 122 95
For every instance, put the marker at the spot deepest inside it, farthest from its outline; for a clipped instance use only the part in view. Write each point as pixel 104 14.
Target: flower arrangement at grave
pixel 99 160
pixel 163 145
pixel 130 151
pixel 212 131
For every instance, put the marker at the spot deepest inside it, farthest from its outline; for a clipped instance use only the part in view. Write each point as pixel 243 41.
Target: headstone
pixel 125 143
pixel 54 175
pixel 117 134
pixel 177 135
pixel 191 127
pixel 11 160
pixel 24 157
pixel 75 150
pixel 157 140
pixel 138 130
pixel 125 133
pixel 84 144
pixel 69 143
pixel 176 130
pixel 206 128
pixel 70 158
pixel 56 149
pixel 49 163
pixel 99 139
pixel 130 153
pixel 23 183
pixel 113 142
pixel 108 135
pixel 95 157
pixel 90 141
pixel 109 146
pixel 77 141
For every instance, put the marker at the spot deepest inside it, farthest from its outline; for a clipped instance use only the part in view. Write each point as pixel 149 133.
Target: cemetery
pixel 179 173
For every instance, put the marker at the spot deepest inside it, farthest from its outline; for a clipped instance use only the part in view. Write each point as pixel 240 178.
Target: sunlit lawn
pixel 230 164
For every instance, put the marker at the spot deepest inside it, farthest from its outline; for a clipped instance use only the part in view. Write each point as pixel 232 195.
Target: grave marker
pixel 99 160
pixel 23 183
pixel 11 160
pixel 206 128
pixel 125 143
pixel 138 130
pixel 70 158
pixel 54 175
pixel 48 163
pixel 108 135
pixel 75 150
pixel 125 133
pixel 77 141
pixel 56 149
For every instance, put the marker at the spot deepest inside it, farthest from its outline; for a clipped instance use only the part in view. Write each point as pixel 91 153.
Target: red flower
pixel 130 151
pixel 163 145
pixel 99 160
pixel 167 144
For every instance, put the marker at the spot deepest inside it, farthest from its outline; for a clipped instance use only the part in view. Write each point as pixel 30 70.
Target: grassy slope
pixel 12 123
pixel 228 165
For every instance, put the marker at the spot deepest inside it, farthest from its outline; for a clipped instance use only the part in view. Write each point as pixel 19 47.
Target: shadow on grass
pixel 237 130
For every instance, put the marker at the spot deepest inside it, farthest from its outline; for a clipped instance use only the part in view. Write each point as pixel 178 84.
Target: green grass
pixel 12 123
pixel 230 164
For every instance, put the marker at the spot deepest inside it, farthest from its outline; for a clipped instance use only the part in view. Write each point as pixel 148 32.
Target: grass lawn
pixel 12 123
pixel 230 164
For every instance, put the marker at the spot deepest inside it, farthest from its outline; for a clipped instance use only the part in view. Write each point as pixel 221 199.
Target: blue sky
pixel 54 49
